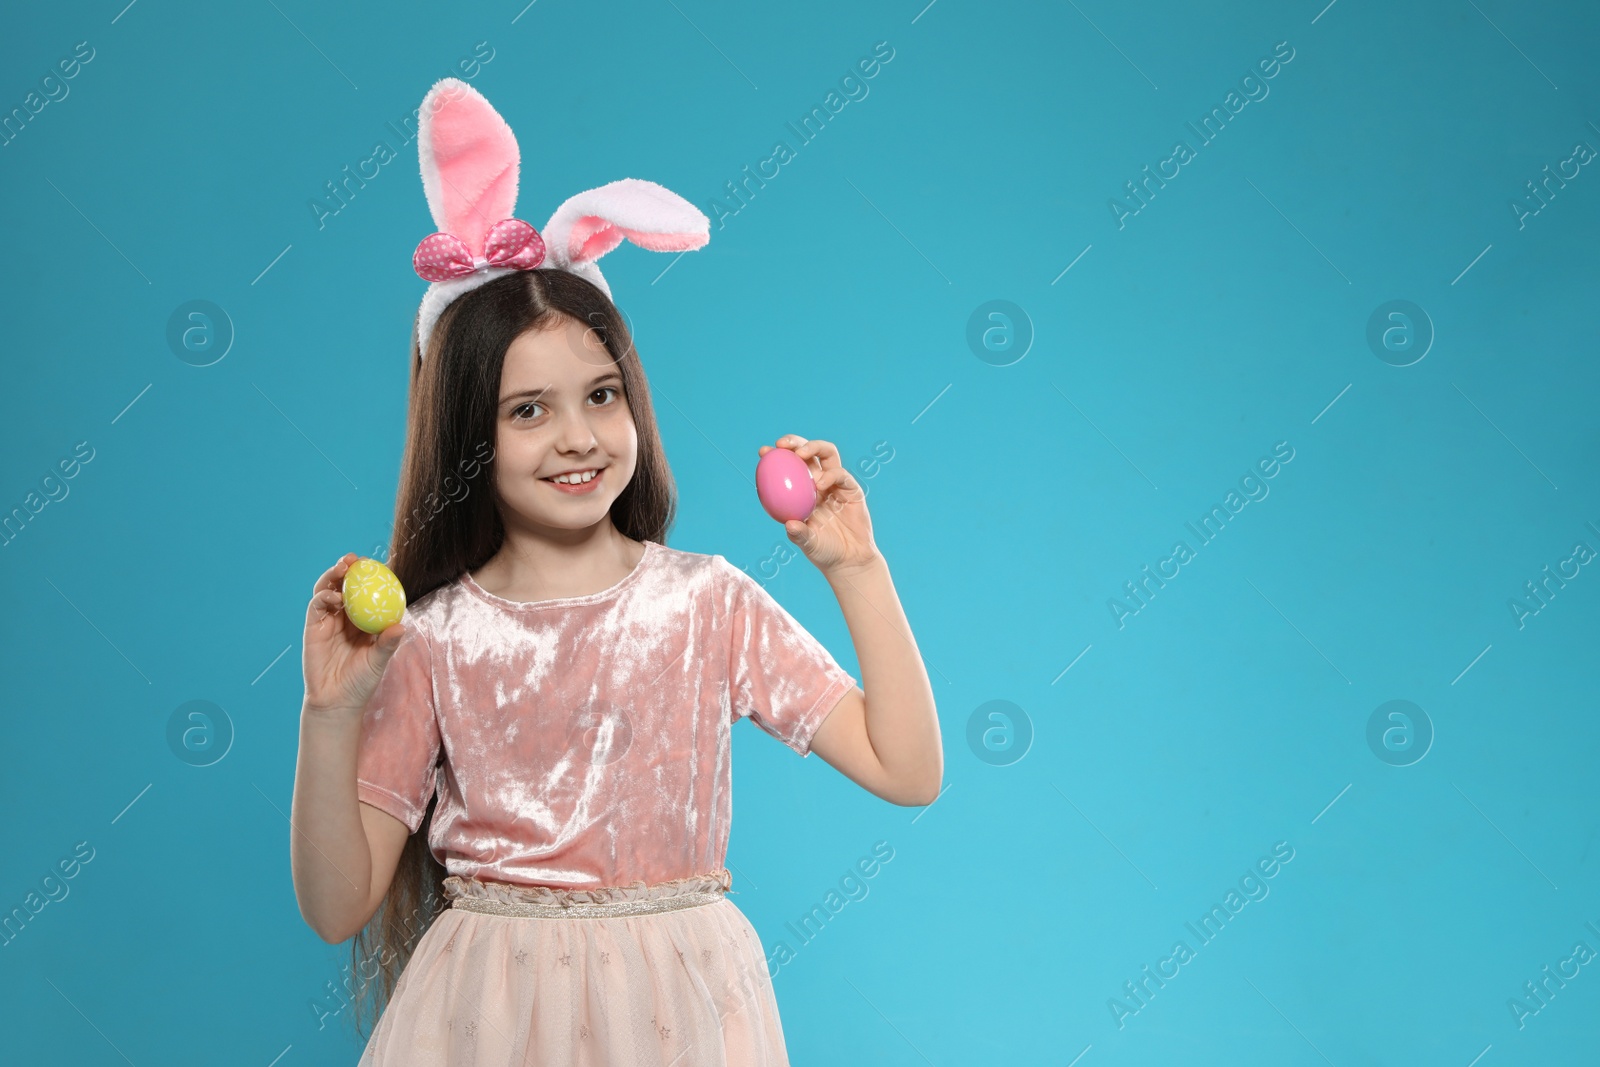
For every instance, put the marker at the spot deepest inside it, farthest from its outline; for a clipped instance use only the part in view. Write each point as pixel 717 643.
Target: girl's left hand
pixel 838 535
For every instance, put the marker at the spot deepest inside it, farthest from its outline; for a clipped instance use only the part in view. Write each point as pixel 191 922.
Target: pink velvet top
pixel 585 741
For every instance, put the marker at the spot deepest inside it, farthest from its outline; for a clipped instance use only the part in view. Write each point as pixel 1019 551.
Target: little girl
pixel 542 743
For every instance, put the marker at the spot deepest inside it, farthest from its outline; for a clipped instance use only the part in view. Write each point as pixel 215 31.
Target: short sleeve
pixel 399 745
pixel 779 675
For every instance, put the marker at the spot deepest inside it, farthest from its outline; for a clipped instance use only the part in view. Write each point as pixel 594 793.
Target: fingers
pixel 799 533
pixel 327 606
pixel 389 639
pixel 789 441
pixel 328 601
pixel 333 577
pixel 825 453
pixel 837 476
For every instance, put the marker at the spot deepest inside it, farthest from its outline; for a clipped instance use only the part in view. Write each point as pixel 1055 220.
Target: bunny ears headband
pixel 469 173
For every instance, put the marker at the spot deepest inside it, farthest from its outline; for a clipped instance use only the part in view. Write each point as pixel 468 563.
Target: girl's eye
pixel 533 409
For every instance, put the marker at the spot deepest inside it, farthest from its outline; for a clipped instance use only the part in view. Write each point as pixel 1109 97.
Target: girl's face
pixel 562 415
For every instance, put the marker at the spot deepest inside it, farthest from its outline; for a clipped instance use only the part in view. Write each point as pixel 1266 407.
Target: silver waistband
pixel 600 910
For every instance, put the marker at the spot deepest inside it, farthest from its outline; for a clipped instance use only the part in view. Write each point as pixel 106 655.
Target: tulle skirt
pixel 517 976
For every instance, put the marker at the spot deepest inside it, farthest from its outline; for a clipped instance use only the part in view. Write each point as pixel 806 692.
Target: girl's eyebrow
pixel 534 394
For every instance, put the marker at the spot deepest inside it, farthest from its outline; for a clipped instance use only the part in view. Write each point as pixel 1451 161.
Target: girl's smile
pixel 586 480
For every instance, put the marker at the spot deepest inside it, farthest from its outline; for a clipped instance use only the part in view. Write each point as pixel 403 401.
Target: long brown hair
pixel 447 520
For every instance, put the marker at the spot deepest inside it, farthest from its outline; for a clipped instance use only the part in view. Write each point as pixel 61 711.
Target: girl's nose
pixel 575 434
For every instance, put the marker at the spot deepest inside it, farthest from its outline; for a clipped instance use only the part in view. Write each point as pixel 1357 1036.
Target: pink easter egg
pixel 783 482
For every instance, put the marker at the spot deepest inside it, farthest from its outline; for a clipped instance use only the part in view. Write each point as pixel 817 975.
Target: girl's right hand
pixel 342 663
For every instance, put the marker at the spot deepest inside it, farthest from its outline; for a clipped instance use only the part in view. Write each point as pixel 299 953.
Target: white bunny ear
pixel 592 223
pixel 469 161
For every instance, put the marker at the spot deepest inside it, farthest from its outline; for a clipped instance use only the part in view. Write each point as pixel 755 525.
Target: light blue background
pixel 1228 315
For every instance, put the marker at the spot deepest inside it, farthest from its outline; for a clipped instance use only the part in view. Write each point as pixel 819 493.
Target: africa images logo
pixel 1211 125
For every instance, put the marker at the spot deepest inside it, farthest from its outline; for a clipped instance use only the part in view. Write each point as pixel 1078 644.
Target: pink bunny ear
pixel 469 162
pixel 592 223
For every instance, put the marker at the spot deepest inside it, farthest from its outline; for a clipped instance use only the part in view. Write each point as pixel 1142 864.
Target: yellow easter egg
pixel 373 598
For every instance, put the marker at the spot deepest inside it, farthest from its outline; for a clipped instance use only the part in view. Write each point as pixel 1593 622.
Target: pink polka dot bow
pixel 510 243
